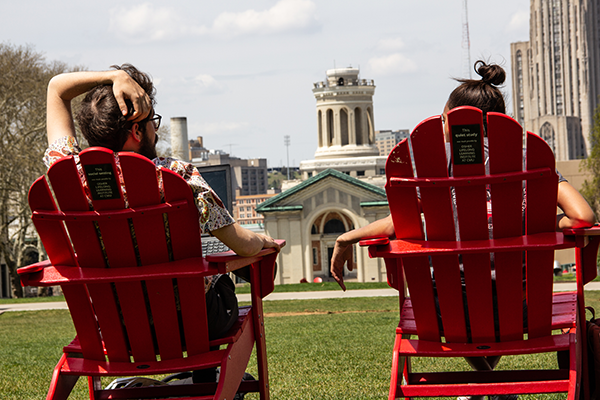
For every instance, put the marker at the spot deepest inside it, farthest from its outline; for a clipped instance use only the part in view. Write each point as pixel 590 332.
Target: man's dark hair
pixel 100 118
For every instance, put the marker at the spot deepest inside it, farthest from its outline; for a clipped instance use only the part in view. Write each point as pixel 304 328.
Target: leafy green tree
pixel 591 189
pixel 24 76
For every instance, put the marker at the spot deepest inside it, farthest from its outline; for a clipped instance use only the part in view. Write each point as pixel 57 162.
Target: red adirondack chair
pixel 133 279
pixel 464 311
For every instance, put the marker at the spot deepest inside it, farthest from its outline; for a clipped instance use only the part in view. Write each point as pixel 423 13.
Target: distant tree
pixel 163 147
pixel 591 189
pixel 24 76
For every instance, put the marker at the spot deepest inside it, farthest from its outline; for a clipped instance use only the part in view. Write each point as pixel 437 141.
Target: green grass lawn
pixel 317 349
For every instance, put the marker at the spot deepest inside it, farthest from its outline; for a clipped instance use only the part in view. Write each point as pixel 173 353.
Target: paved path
pixel 328 294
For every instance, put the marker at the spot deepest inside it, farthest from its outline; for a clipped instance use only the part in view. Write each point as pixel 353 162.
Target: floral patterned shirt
pixel 212 213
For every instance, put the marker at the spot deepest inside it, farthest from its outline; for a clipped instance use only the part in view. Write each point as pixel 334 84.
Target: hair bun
pixel 492 74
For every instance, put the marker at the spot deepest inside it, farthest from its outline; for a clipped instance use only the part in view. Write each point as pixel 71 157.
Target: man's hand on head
pixel 126 88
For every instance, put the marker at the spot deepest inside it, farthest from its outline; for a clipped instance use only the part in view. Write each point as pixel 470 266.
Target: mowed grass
pixel 317 349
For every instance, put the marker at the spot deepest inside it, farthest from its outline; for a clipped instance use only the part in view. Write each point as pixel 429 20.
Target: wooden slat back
pixel 139 319
pixel 505 137
pixel 542 195
pixel 468 159
pixel 405 210
pixel 486 310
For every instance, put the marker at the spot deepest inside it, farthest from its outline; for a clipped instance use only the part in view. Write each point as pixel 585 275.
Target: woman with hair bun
pixel 484 94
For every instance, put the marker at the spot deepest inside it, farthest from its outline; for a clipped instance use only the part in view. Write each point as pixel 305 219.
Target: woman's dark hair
pixel 483 94
pixel 99 117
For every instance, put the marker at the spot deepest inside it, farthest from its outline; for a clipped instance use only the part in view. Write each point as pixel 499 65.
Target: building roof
pixel 271 204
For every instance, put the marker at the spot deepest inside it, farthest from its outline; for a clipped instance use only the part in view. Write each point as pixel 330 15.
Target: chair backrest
pixel 137 217
pixel 468 198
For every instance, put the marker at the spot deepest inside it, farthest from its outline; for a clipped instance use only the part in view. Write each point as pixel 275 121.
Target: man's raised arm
pixel 65 87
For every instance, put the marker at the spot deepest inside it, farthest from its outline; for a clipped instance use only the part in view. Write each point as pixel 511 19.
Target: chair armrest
pixel 31 271
pixel 588 242
pixel 411 248
pixel 374 240
pixel 229 261
pixel 46 274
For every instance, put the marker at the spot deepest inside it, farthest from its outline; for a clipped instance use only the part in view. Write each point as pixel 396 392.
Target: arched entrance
pixel 325 230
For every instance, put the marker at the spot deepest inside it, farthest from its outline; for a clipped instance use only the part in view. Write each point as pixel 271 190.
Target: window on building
pixel 334 226
pixel 381 171
pixel 360 173
pixel 315 256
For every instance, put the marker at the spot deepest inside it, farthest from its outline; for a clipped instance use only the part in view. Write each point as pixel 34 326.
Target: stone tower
pixel 346 131
pixel 345 115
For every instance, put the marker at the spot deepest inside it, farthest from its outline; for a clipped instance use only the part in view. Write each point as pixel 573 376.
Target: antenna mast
pixel 466 42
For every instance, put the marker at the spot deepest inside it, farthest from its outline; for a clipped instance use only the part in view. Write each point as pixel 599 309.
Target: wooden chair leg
pixel 61 385
pixel 259 334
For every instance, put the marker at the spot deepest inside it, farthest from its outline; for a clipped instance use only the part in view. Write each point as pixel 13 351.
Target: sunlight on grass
pixel 317 349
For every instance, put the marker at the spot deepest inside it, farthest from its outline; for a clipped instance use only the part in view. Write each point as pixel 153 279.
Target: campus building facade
pixel 556 74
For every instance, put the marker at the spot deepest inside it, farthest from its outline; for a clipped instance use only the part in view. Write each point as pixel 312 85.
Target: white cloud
pixel 390 44
pixel 208 84
pixel 285 16
pixel 392 64
pixel 519 21
pixel 145 23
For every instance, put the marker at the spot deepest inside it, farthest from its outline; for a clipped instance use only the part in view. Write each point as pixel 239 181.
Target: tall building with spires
pixel 556 74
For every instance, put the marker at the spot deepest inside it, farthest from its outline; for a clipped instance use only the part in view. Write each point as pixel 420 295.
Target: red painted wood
pixel 164 317
pixel 184 225
pixel 59 248
pixel 505 138
pixel 116 234
pixel 484 253
pixel 70 195
pixel 83 315
pixel 109 319
pixel 403 202
pixel 139 175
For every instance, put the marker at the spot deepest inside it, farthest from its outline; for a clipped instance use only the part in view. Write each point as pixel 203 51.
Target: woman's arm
pixel 65 87
pixel 342 251
pixel 577 213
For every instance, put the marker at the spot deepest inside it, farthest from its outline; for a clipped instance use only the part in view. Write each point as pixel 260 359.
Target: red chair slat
pixel 53 232
pixel 109 319
pixel 139 175
pixel 418 276
pixel 136 322
pixel 193 311
pixel 164 317
pixel 184 225
pixel 408 223
pixel 84 319
pixel 103 179
pixel 70 195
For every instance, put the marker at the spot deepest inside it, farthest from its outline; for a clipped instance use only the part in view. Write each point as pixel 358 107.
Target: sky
pixel 242 72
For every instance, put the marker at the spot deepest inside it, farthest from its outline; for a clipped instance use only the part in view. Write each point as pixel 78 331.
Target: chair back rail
pixel 147 310
pixel 488 309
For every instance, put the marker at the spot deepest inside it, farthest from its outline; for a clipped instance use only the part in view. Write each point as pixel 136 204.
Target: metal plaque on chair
pixel 466 144
pixel 102 182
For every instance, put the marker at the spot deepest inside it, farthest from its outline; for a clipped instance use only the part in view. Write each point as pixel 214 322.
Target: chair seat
pixel 564 311
pixel 74 364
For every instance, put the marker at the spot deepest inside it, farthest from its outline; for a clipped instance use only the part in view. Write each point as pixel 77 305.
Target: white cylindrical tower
pixel 179 138
pixel 345 115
